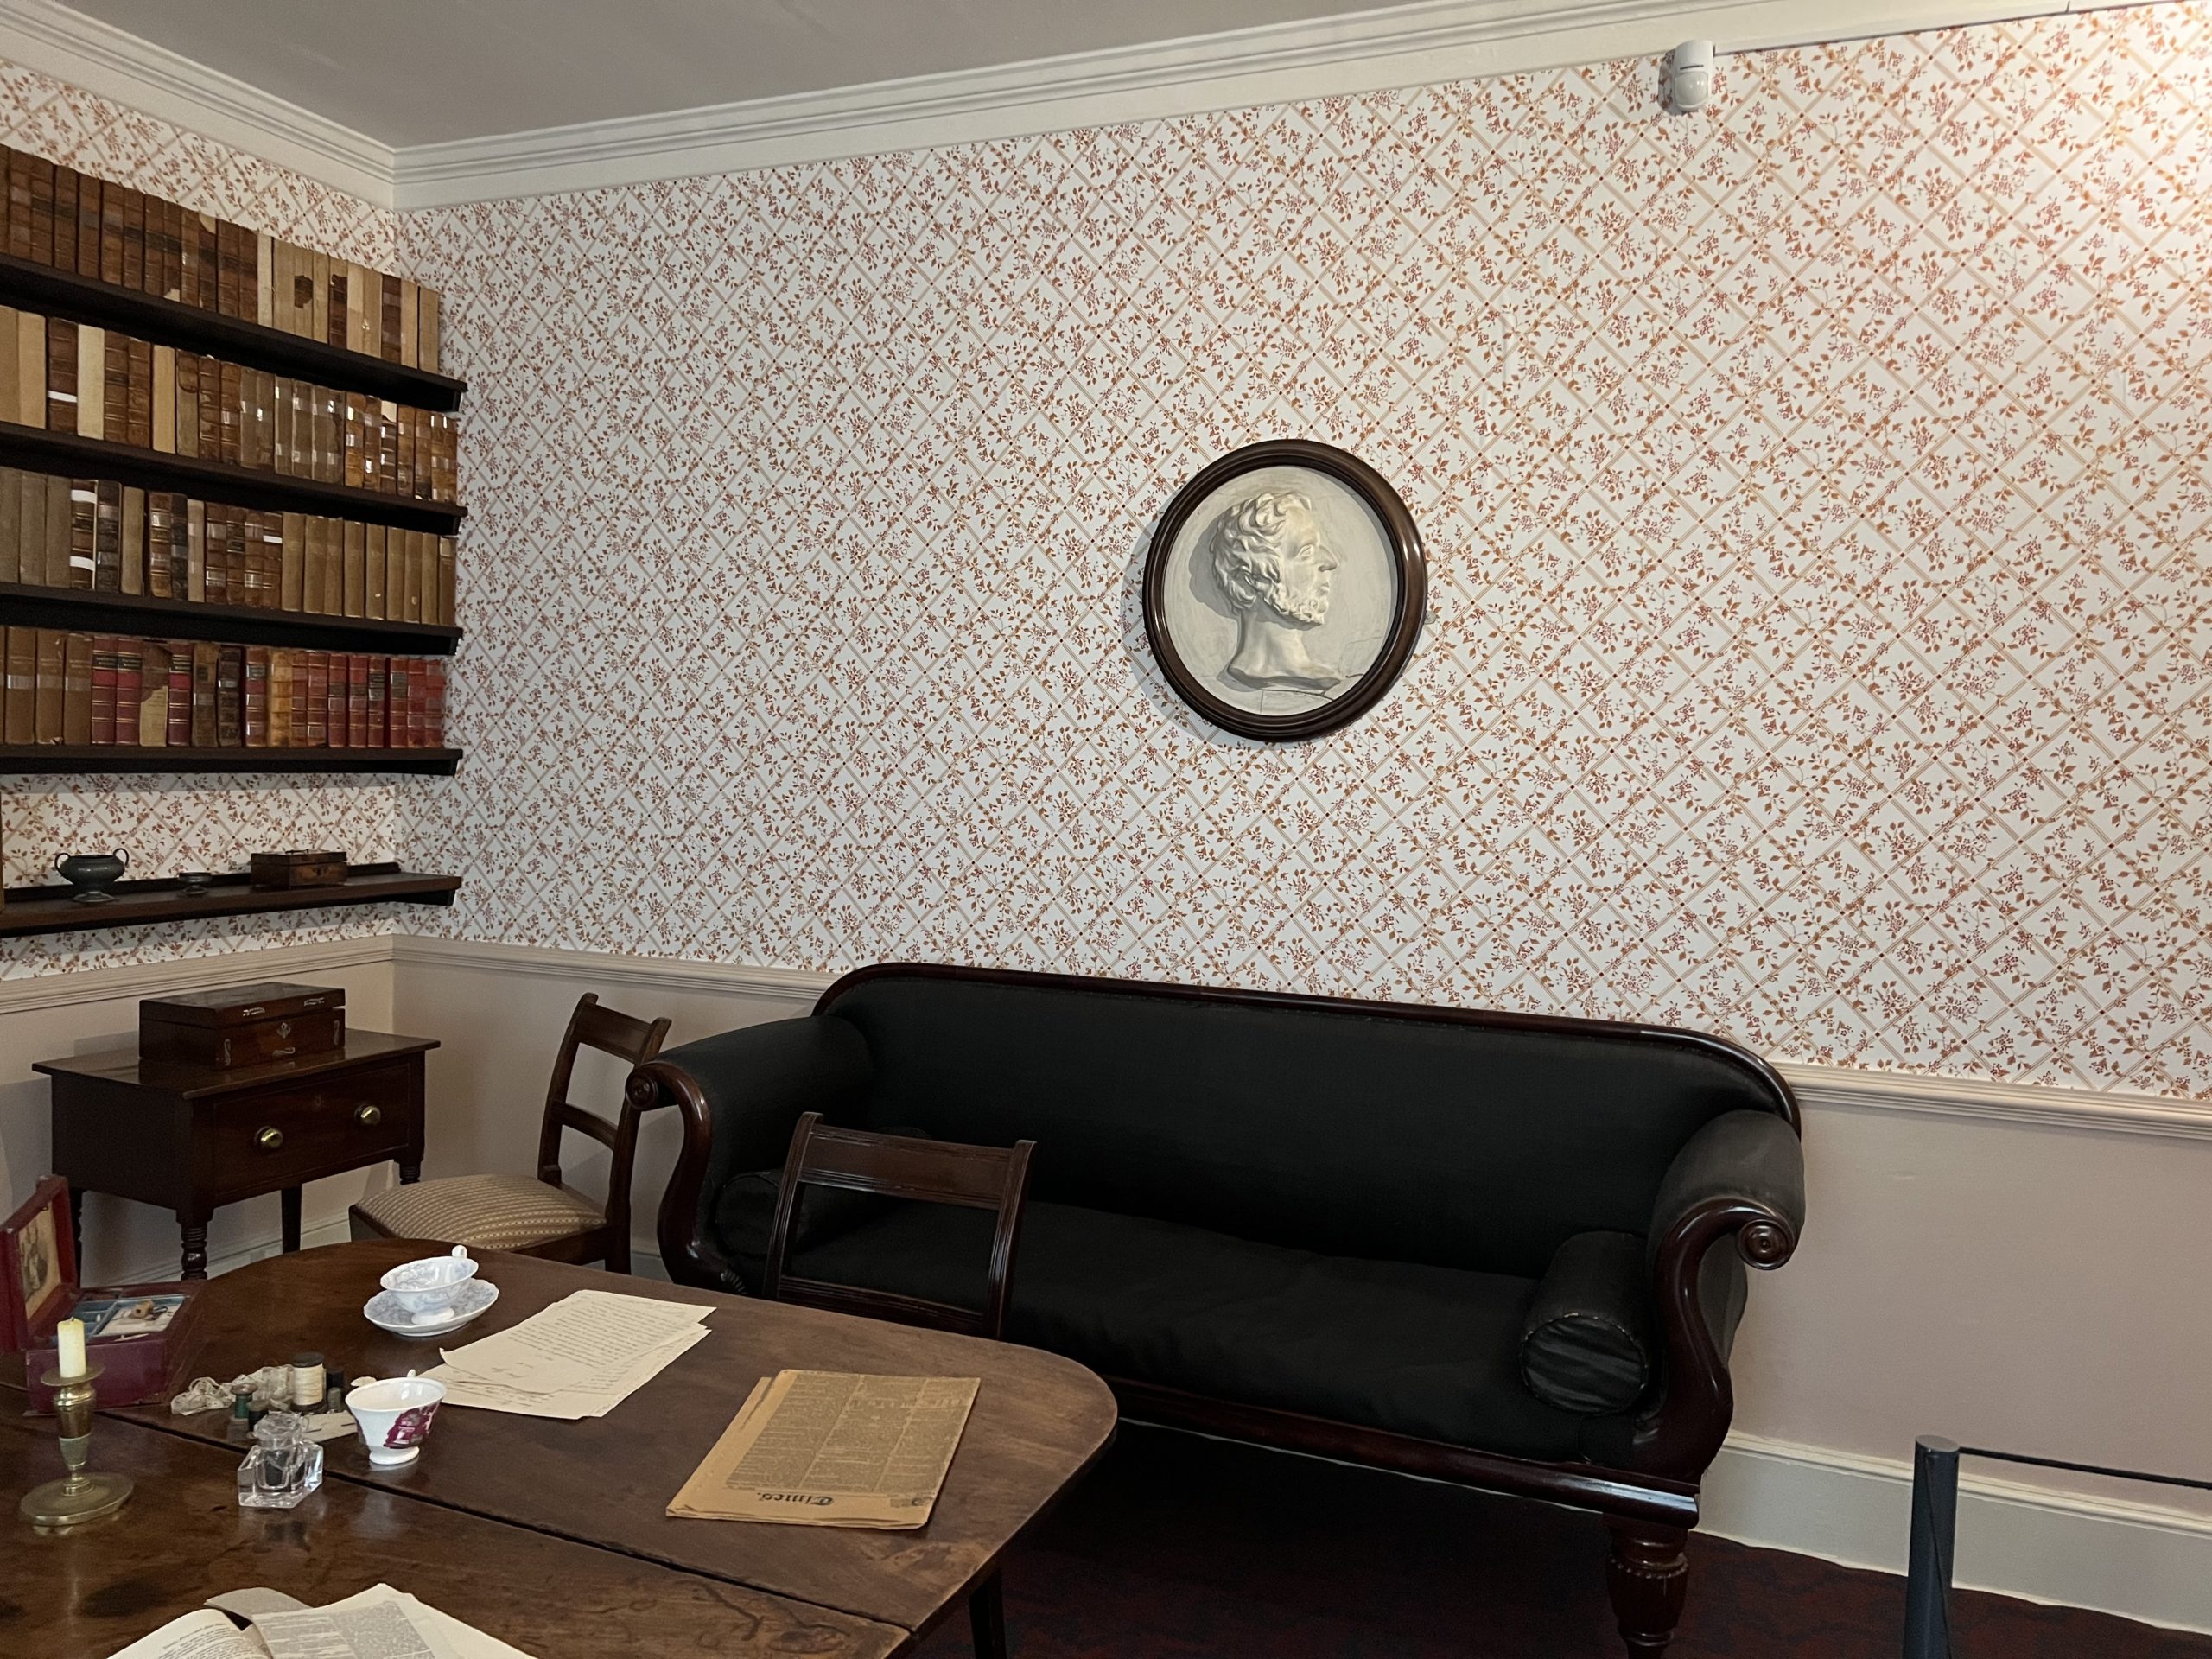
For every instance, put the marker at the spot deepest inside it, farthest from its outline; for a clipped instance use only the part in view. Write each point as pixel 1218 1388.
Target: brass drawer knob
pixel 368 1116
pixel 270 1138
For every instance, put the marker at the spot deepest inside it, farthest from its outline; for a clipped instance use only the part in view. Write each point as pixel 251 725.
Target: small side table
pixel 191 1138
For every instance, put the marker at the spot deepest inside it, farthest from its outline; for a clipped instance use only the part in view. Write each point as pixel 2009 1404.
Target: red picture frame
pixel 38 1266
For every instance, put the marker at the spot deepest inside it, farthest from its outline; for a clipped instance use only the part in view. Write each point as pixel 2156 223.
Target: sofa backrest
pixel 1398 1133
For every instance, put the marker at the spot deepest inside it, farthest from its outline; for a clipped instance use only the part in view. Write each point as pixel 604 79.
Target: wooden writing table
pixel 604 1483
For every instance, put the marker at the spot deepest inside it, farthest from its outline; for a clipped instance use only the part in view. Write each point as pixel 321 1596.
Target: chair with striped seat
pixel 537 1216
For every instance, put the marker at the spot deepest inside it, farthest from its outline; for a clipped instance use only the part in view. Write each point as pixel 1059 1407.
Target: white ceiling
pixel 421 71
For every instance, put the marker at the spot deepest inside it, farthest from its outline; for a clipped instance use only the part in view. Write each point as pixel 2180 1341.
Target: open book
pixel 381 1623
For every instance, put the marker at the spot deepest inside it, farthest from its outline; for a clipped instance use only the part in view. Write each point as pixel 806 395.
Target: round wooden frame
pixel 1405 617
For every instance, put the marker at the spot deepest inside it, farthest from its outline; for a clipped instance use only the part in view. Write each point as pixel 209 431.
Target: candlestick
pixel 69 1342
pixel 78 1497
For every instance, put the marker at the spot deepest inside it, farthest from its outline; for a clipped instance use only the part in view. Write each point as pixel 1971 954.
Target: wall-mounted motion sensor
pixel 1689 76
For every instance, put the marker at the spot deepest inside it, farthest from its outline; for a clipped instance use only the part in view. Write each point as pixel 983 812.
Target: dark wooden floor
pixel 1178 1548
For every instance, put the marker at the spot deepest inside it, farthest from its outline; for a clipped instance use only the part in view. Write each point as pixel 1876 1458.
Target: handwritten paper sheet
pixel 581 1356
pixel 833 1449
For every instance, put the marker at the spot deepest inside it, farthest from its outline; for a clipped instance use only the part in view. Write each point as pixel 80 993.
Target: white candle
pixel 69 1338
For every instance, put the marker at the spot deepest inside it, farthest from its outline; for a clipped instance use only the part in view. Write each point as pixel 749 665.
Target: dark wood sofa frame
pixel 1650 1505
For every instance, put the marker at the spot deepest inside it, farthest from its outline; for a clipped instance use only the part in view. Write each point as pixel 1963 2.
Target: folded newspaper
pixel 381 1623
pixel 833 1449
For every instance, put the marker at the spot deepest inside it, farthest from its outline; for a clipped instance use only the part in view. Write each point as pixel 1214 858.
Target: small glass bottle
pixel 284 1465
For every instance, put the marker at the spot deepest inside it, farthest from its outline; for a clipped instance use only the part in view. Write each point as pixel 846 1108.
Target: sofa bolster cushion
pixel 1587 1345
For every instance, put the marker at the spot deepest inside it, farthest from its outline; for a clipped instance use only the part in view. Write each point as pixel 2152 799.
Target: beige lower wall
pixel 75 1013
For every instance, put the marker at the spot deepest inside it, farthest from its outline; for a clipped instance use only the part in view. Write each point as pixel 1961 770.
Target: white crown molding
pixel 1401 46
pixel 105 60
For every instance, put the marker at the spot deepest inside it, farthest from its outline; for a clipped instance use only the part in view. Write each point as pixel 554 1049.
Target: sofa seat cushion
pixel 1427 1352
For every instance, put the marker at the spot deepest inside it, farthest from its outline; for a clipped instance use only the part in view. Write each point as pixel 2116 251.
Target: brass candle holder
pixel 77 1498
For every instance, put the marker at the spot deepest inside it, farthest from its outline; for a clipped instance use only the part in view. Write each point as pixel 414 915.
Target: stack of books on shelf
pixel 130 239
pixel 100 537
pixel 103 689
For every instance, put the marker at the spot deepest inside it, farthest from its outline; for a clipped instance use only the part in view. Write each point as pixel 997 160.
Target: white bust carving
pixel 1274 568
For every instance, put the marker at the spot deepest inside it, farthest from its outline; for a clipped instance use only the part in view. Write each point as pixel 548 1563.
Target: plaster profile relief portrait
pixel 1284 589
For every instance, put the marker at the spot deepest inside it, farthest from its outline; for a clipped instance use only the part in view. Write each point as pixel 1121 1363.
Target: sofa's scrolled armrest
pixel 1741 1179
pixel 740 1094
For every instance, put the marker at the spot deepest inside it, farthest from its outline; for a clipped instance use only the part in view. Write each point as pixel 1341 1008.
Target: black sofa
pixel 1496 1249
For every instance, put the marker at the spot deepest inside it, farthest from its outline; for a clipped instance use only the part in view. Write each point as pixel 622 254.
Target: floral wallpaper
pixel 169 822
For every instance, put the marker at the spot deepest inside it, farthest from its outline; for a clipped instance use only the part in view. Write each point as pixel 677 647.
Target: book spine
pixel 138 393
pixel 112 195
pixel 77 689
pixel 160 562
pixel 256 698
pixel 374 602
pixel 129 693
pixel 356 558
pixel 19 712
pixel 230 696
pixel 233 407
pixel 206 665
pixel 180 709
pixel 19 204
pixel 434 717
pixel 187 404
pixel 379 703
pixel 338 729
pixel 11 530
pixel 51 686
pixel 153 694
pixel 429 348
pixel 42 210
pixel 161 420
pixel 318 699
pixel 304 724
pixel 103 689
pixel 66 181
pixel 215 564
pixel 449 575
pixel 61 375
pixel 83 531
pixel 88 226
pixel 388 336
pixel 49 519
pixel 280 698
pixel 195 550
pixel 134 539
pixel 134 240
pixel 396 695
pixel 356 700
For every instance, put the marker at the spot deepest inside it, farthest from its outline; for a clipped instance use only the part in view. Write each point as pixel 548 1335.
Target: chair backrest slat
pixel 929 1172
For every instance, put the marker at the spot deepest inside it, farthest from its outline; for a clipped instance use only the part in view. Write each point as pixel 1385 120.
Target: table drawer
pixel 281 1136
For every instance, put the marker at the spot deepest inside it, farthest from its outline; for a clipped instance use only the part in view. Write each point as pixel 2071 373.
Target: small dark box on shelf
pixel 298 869
pixel 242 1025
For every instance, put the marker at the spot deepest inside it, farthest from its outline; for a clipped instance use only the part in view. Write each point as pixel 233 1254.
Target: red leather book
pixel 317 715
pixel 379 722
pixel 337 729
pixel 129 690
pixel 397 700
pixel 356 700
pixel 434 716
pixel 104 669
pixel 304 724
pixel 256 700
pixel 180 709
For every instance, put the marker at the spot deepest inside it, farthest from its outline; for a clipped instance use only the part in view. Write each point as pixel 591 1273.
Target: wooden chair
pixel 538 1215
pixel 929 1172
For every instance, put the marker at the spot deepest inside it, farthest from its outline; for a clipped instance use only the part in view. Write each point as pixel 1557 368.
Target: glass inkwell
pixel 284 1465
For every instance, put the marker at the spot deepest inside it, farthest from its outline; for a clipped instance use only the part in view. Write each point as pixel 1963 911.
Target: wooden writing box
pixel 297 869
pixel 243 1025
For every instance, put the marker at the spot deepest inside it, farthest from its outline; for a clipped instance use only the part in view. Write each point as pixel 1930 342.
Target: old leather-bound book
pixel 206 667
pixel 180 546
pixel 207 232
pixel 49 516
pixel 356 700
pixel 107 537
pixel 111 199
pixel 265 297
pixel 134 539
pixel 411 312
pixel 299 727
pixel 187 402
pixel 52 686
pixel 105 647
pixel 314 706
pixel 449 547
pixel 329 435
pixel 11 360
pixel 211 409
pixel 61 375
pixel 11 531
pixel 154 698
pixel 254 418
pixel 160 566
pixel 163 391
pixel 429 350
pixel 19 204
pixel 374 599
pixel 83 531
pixel 134 240
pixel 77 687
pixel 353 474
pixel 88 225
pixel 271 553
pixel 434 714
pixel 172 250
pixel 66 181
pixel 291 584
pixel 337 728
pixel 379 732
pixel 234 274
pixel 230 696
pixel 195 550
pixel 313 568
pixel 19 712
pixel 280 425
pixel 338 285
pixel 280 697
pixel 30 409
pixel 42 210
pixel 215 555
pixel 262 574
pixel 404 475
pixel 232 379
pixel 192 271
pixel 395 574
pixel 319 276
pixel 411 576
pixel 255 700
pixel 395 706
pixel 180 705
pixel 129 690
pixel 139 392
pixel 91 382
pixel 388 336
pixel 356 565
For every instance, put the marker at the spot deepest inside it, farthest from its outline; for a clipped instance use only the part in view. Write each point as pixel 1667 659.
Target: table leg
pixel 987 1618
pixel 195 1247
pixel 409 1173
pixel 290 1198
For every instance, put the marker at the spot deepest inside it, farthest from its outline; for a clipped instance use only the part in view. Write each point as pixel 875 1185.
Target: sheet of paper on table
pixel 833 1449
pixel 581 1357
pixel 380 1622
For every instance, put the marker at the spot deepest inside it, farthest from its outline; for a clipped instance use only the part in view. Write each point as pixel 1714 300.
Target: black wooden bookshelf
pixel 54 293
pixel 26 605
pixel 48 759
pixel 49 908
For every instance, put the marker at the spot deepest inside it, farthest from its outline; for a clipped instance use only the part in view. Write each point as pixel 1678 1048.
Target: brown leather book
pixel 387 337
pixel 215 564
pixel 93 385
pixel 449 547
pixel 206 667
pixel 387 448
pixel 426 550
pixel 42 210
pixel 129 691
pixel 395 707
pixel 280 698
pixel 154 695
pixel 312 568
pixel 49 518
pixel 340 287
pixel 11 531
pixel 354 556
pixel 163 416
pixel 160 565
pixel 189 271
pixel 409 321
pixel 291 585
pixel 313 714
pixel 19 721
pixel 403 473
pixel 65 180
pixel 429 349
pixel 318 265
pixel 255 422
pixel 172 250
pixel 252 576
pixel 210 401
pixel 31 370
pixel 230 696
pixel 52 691
pixel 77 687
pixel 338 730
pixel 138 389
pixel 61 375
pixel 379 731
pixel 107 537
pixel 329 435
pixel 299 284
pixel 234 270
pixel 83 531
pixel 206 231
pixel 88 225
pixel 180 546
pixel 112 195
pixel 356 700
pixel 351 475
pixel 272 560
pixel 195 550
pixel 104 664
pixel 19 204
pixel 134 539
pixel 395 571
pixel 187 402
pixel 180 709
pixel 233 412
pixel 280 426
pixel 134 240
pixel 11 361
pixel 256 697
pixel 373 601
pixel 410 575
pixel 264 279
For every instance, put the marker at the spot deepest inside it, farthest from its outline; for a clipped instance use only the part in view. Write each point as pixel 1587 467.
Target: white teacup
pixel 429 1284
pixel 395 1416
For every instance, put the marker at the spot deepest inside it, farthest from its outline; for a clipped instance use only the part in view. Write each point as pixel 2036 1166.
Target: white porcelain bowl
pixel 394 1416
pixel 429 1284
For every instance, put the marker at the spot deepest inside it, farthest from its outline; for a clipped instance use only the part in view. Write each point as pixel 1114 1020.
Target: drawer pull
pixel 368 1116
pixel 270 1138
